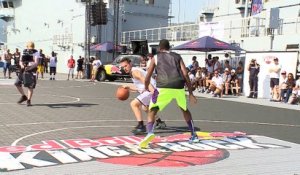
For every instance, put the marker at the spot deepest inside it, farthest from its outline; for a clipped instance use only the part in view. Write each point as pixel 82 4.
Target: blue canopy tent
pixel 207 44
pixel 104 47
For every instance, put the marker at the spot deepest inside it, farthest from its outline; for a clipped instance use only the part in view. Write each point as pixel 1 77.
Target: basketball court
pixel 79 127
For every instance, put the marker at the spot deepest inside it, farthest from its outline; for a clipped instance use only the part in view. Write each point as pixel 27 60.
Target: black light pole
pixel 116 25
pixel 87 37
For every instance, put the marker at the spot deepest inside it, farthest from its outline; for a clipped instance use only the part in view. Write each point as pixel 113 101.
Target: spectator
pixel 52 65
pixel 195 65
pixel 253 69
pixel 96 65
pixel 234 83
pixel 217 85
pixel 290 85
pixel 227 65
pixel 277 90
pixel 226 80
pixel 296 92
pixel 17 58
pixel 240 74
pixel 209 65
pixel 200 76
pixel 41 63
pixel 217 64
pixel 71 65
pixel 192 79
pixel 46 64
pixel 274 71
pixel 143 62
pixel 80 68
pixel 7 68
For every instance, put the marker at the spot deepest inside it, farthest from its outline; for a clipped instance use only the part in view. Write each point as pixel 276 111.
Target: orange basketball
pixel 122 93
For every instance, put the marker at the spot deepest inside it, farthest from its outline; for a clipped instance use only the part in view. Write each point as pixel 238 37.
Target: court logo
pixel 169 151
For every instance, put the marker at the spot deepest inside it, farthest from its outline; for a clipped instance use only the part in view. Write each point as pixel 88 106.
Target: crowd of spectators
pixel 216 79
pixel 223 80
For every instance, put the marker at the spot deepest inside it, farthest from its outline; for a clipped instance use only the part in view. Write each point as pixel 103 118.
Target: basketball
pixel 122 93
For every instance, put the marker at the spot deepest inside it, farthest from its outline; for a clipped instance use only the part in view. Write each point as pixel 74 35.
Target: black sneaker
pixel 160 125
pixel 22 99
pixel 140 130
pixel 29 103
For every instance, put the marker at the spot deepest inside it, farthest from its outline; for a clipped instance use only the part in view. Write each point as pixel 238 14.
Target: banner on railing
pixel 212 29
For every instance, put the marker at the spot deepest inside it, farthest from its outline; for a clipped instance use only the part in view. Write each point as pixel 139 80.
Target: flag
pixel 256 7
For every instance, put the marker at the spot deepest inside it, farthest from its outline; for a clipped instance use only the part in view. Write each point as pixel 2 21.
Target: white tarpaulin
pixel 288 61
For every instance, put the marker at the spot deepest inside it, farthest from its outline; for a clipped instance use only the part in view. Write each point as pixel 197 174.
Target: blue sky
pixel 188 11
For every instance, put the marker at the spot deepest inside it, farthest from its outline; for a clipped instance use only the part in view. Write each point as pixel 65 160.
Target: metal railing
pixel 231 29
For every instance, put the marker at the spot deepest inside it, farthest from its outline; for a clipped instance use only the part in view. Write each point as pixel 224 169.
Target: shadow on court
pixel 66 105
pixel 174 129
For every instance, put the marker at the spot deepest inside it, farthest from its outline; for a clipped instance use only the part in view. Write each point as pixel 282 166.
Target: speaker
pixel 140 47
pixel 123 49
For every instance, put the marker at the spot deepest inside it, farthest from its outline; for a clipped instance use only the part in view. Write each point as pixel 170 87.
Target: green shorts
pixel 166 95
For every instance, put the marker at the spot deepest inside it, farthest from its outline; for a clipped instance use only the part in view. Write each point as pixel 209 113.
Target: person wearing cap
pixel 226 79
pixel 234 83
pixel 253 69
pixel 27 76
pixel 274 71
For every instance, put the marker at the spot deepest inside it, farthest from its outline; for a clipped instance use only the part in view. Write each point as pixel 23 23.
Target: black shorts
pixel 79 68
pixel 274 82
pixel 19 81
pixel 53 70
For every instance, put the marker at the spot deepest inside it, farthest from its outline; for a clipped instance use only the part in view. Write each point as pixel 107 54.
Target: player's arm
pixel 139 76
pixel 131 87
pixel 149 74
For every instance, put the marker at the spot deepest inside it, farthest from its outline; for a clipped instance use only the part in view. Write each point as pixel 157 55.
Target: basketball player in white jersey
pixel 142 101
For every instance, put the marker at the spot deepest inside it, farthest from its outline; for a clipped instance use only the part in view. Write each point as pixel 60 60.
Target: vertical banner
pixel 256 7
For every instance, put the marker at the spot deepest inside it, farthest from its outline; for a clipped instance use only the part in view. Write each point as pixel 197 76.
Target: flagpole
pixel 246 9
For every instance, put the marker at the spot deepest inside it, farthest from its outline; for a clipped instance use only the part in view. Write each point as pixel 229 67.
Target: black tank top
pixel 168 71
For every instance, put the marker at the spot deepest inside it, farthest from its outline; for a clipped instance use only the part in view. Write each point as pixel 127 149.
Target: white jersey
pixel 275 74
pixel 138 84
pixel 52 62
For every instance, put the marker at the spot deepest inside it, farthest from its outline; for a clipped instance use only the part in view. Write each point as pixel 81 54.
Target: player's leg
pixel 182 103
pixel 159 100
pixel 136 108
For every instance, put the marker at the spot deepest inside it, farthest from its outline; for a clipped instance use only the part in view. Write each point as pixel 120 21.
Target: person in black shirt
pixel 253 69
pixel 27 76
pixel 171 78
pixel 79 68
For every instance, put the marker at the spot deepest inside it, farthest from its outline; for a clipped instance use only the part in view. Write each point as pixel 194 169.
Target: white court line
pixel 76 99
pixel 60 129
pixel 204 121
pixel 115 126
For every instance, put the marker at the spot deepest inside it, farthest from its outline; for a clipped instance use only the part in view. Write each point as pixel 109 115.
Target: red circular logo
pixel 171 159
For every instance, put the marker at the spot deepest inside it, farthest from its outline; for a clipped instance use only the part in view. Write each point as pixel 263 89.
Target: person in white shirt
pixel 52 65
pixel 274 71
pixel 217 84
pixel 96 64
pixel 142 101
